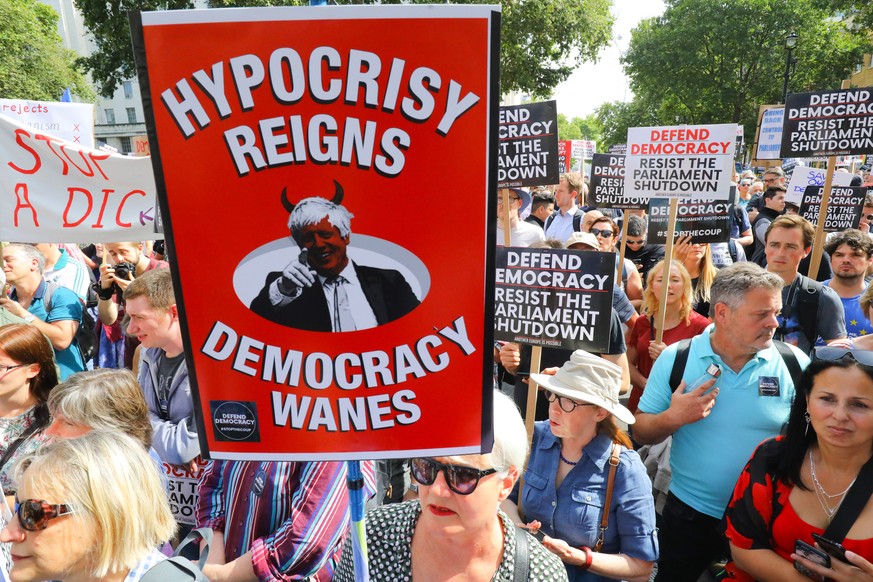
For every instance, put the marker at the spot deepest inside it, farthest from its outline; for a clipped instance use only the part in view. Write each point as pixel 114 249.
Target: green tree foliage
pixel 542 41
pixel 716 61
pixel 33 61
pixel 616 117
pixel 112 61
pixel 588 127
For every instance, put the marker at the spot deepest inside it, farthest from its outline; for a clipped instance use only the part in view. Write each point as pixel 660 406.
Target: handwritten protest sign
pixel 555 298
pixel 565 155
pixel 706 220
pixel 804 176
pixel 528 151
pixel 680 162
pixel 55 190
pixel 828 123
pixel 768 139
pixel 844 207
pixel 607 184
pixel 72 122
pixel 258 113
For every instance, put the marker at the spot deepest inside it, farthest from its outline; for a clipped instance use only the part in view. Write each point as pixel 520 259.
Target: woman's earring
pixel 806 417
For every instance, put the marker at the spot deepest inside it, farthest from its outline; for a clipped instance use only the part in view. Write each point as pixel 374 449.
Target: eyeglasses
pixel 635 242
pixel 511 199
pixel 565 403
pixel 34 514
pixel 4 369
pixel 460 479
pixel 770 180
pixel 835 354
pixel 602 233
pixel 746 184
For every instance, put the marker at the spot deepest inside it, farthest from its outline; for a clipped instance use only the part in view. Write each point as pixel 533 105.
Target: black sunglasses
pixel 835 354
pixel 602 233
pixel 460 479
pixel 34 514
pixel 565 403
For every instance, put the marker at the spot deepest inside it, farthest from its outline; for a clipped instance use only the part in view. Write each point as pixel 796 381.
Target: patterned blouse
pixel 389 547
pixel 11 429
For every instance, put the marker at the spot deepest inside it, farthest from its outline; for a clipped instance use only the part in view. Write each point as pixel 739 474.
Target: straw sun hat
pixel 588 378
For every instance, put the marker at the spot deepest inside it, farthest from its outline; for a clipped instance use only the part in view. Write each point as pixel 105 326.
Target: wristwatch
pixel 29 318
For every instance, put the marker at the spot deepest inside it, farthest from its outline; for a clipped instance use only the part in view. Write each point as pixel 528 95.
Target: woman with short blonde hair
pixel 91 508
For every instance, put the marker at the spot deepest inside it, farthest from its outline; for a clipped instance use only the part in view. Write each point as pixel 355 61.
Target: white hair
pixel 315 209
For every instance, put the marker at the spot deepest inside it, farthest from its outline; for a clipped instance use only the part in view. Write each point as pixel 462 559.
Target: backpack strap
pixel 614 459
pixel 808 295
pixel 789 358
pixel 682 349
pixel 521 571
pixel 852 505
pixel 173 570
pixel 732 249
pixel 550 219
pixel 47 296
pixel 577 221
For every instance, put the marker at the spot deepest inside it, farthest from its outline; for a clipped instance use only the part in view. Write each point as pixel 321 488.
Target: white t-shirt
pixel 524 234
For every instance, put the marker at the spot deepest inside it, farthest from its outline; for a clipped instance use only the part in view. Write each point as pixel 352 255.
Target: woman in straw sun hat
pixel 600 530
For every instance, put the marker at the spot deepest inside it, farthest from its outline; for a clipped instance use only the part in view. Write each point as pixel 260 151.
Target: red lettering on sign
pixel 72 191
pixel 19 133
pixel 22 201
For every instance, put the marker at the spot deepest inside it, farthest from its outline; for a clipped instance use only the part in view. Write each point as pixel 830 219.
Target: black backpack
pixel 86 335
pixel 806 308
pixel 684 346
pixel 577 220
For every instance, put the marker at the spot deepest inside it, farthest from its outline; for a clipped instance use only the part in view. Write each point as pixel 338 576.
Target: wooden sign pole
pixel 507 228
pixel 622 250
pixel 665 277
pixel 818 240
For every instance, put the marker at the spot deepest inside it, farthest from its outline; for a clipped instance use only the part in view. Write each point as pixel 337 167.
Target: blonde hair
pixel 113 487
pixel 708 271
pixel 104 399
pixel 651 302
pixel 866 300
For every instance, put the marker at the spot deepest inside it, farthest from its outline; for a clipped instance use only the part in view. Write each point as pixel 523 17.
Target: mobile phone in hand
pixel 814 555
pixel 831 547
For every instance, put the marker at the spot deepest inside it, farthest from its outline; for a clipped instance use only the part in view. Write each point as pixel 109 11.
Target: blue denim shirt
pixel 573 511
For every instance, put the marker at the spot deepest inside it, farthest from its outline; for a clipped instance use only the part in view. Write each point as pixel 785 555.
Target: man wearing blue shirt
pixel 717 426
pixel 57 319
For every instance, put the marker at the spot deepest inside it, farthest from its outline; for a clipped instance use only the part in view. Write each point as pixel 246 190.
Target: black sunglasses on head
pixel 835 354
pixel 460 479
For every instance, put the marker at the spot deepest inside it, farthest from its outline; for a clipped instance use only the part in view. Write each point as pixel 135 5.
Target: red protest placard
pixel 368 334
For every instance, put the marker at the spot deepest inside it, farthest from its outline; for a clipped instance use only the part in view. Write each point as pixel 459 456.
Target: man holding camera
pixel 124 262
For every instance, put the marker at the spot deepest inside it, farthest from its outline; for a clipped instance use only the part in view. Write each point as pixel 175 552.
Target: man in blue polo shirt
pixel 717 426
pixel 23 265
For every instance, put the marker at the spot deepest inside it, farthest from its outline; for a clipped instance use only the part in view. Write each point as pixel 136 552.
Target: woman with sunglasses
pixel 27 376
pixel 88 509
pixel 794 485
pixel 680 322
pixel 697 260
pixel 566 485
pixel 455 529
pixel 606 232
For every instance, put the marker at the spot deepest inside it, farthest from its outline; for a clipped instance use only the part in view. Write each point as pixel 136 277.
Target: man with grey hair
pixel 55 311
pixel 717 424
pixel 321 289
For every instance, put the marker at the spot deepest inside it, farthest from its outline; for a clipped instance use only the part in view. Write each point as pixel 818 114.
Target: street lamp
pixel 790 43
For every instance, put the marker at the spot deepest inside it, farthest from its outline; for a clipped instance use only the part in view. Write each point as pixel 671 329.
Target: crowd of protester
pixel 721 427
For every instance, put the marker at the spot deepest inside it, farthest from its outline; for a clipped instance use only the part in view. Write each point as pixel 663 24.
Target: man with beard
pixel 851 255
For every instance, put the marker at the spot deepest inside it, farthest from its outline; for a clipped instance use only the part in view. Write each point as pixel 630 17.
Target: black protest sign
pixel 607 184
pixel 844 207
pixel 528 150
pixel 706 220
pixel 828 123
pixel 554 298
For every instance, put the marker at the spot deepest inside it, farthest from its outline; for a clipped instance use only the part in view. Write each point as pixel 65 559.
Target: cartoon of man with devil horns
pixel 321 289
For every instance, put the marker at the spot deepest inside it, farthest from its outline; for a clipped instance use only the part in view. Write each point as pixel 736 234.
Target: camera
pixel 124 270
